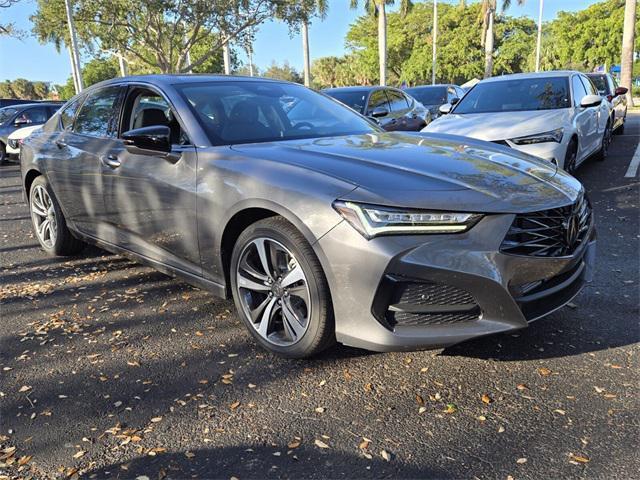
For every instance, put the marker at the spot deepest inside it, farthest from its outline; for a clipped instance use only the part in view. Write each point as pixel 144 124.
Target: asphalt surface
pixel 111 370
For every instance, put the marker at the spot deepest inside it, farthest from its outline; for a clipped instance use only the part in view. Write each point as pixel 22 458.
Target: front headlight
pixel 372 221
pixel 552 136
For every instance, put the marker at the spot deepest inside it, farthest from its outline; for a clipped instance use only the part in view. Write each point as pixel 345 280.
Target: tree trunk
pixel 382 41
pixel 488 47
pixel 305 53
pixel 124 70
pixel 626 63
pixel 250 55
pixel 226 56
pixel 74 47
pixel 435 41
pixel 539 38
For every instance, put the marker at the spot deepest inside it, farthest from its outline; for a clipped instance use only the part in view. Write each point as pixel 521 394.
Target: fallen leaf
pixel 320 409
pixel 422 409
pixel 560 412
pixel 156 419
pixel 500 429
pixel 521 461
pixel 579 458
pixel 386 455
pixel 364 444
pixel 234 405
pixel 79 453
pixel 189 454
pixel 419 400
pixel 599 389
pixel 321 444
pixel 544 371
pixel 486 399
pixel 24 388
pixel 24 460
pixel 482 418
pixel 294 444
pixel 451 408
pixel 521 386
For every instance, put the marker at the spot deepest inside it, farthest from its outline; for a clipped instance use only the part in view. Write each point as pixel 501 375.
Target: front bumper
pixel 551 151
pixel 508 291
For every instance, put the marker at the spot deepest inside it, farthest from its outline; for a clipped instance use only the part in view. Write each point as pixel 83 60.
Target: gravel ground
pixel 109 369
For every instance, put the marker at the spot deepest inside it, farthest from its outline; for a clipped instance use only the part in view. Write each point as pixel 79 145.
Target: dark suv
pixel 22 115
pixel 393 109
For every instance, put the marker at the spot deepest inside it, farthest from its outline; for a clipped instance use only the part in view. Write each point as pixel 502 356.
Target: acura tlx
pixel 321 226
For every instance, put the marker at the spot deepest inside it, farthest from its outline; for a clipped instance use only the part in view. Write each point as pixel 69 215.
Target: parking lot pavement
pixel 111 370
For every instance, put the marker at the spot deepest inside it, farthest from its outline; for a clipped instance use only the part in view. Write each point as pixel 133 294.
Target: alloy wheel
pixel 44 216
pixel 273 291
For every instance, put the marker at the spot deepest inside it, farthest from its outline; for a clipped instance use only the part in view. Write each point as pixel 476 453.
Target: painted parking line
pixel 635 163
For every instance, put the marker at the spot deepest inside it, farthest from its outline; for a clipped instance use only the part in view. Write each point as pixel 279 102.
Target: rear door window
pixel 69 113
pixel 578 90
pixel 398 101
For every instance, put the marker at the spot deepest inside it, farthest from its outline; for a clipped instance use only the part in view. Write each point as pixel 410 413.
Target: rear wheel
pixel 49 224
pixel 3 154
pixel 603 153
pixel 280 290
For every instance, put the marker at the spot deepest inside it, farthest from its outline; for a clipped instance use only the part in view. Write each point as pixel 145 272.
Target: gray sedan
pixel 321 229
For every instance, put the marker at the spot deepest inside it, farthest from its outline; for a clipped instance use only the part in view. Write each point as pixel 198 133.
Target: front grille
pixel 416 303
pixel 550 233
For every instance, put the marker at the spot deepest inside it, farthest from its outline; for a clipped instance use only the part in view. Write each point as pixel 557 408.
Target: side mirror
pixel 21 121
pixel 454 100
pixel 444 109
pixel 156 138
pixel 620 91
pixel 379 112
pixel 590 101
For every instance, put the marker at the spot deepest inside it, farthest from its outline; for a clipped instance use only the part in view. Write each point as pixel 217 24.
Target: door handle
pixel 60 144
pixel 111 161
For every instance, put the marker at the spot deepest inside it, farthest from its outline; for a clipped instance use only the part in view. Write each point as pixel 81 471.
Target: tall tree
pixel 155 33
pixel 628 41
pixel 378 8
pixel 488 13
pixel 8 29
pixel 298 15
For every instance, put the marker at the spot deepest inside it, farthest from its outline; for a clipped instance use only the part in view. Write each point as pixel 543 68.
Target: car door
pixel 585 119
pixel 150 199
pixel 619 102
pixel 378 99
pixel 601 113
pixel 399 109
pixel 80 150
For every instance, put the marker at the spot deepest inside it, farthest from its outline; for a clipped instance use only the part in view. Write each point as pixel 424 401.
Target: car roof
pixel 441 85
pixel 171 79
pixel 356 88
pixel 523 76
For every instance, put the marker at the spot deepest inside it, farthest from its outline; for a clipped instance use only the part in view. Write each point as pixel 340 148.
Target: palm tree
pixel 487 12
pixel 319 8
pixel 626 62
pixel 378 8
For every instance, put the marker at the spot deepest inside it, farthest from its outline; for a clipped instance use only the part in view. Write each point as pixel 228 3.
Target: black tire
pixel 620 129
pixel 603 153
pixel 571 156
pixel 320 330
pixel 64 243
pixel 3 154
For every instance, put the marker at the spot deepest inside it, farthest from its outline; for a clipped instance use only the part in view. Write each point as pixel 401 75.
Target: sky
pixel 27 58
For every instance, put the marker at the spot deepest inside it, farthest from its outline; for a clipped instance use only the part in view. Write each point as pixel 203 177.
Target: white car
pixel 16 138
pixel 557 116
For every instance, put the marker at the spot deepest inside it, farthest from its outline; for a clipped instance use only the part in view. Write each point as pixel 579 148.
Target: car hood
pixel 428 171
pixel 500 125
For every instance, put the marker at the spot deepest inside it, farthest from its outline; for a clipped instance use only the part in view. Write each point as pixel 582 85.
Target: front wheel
pixel 280 290
pixel 49 224
pixel 571 157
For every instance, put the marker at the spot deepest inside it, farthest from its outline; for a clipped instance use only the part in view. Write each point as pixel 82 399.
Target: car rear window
pixel 429 95
pixel 353 99
pixel 600 81
pixel 540 93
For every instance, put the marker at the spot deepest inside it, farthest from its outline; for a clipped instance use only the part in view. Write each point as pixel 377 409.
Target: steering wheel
pixel 303 125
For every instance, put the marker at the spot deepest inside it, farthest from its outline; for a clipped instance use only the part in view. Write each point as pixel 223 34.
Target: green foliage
pixel 97 70
pixel 587 38
pixel 284 72
pixel 24 89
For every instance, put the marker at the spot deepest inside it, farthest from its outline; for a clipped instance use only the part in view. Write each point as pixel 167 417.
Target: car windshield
pixel 429 95
pixel 7 114
pixel 541 93
pixel 355 99
pixel 251 112
pixel 600 81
